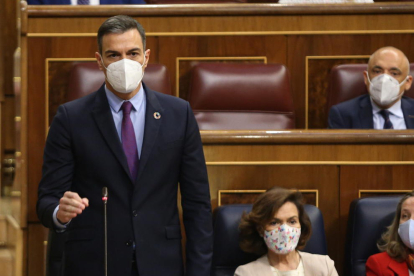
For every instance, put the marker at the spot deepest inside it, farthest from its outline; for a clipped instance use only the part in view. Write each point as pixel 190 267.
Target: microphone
pixel 105 194
pixel 105 201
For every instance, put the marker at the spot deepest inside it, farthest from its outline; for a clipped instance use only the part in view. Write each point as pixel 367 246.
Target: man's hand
pixel 71 205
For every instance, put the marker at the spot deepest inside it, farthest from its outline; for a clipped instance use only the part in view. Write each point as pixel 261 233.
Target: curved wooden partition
pixel 331 167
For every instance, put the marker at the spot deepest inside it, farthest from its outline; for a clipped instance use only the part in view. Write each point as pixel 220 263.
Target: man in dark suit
pixel 384 107
pixel 85 2
pixel 139 144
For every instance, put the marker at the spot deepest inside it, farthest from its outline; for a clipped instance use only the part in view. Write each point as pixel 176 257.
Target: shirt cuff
pixel 60 227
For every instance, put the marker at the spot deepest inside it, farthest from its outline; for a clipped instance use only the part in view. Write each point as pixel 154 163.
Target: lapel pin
pixel 157 115
pixel 411 116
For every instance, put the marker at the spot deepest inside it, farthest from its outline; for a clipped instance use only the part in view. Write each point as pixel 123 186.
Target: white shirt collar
pixel 115 102
pixel 395 109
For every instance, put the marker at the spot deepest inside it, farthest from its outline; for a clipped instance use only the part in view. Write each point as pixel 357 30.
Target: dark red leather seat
pixel 86 78
pixel 230 96
pixel 347 82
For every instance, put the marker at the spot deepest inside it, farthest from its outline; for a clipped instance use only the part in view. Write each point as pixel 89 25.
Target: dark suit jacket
pixel 382 264
pixel 67 2
pixel 83 153
pixel 357 113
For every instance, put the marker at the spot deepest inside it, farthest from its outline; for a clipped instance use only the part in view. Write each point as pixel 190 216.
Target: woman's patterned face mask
pixel 282 239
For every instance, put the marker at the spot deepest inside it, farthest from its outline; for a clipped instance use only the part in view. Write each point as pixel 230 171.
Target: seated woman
pixel 396 244
pixel 276 228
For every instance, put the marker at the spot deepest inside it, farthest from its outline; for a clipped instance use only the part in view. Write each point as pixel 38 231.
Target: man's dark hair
pixel 119 24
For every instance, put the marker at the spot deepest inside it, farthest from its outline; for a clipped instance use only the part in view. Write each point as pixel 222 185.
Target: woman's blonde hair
pixel 390 241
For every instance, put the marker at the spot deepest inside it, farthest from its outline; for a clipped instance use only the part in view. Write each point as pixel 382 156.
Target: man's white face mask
pixel 124 75
pixel 384 89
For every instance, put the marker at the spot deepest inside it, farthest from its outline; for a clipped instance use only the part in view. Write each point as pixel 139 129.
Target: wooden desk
pixel 309 39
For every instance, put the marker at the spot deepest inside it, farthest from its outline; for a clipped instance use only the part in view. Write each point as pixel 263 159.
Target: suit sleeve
pixel 335 120
pixel 195 201
pixel 57 171
pixel 372 267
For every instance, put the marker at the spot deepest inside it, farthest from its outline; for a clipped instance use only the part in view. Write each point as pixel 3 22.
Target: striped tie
pixel 387 122
pixel 83 2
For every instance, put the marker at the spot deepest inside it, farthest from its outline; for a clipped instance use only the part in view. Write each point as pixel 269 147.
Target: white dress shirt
pixel 396 116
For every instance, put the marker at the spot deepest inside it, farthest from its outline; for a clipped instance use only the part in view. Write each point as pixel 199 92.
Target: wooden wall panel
pixel 226 197
pixel 37 235
pixel 8 44
pixel 308 153
pixel 8 129
pixel 229 18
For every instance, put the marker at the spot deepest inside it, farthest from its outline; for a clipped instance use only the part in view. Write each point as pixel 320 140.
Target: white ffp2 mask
pixel 384 89
pixel 124 75
pixel 406 232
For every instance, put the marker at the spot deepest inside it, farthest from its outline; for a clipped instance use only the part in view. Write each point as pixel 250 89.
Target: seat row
pixel 235 96
pixel 368 219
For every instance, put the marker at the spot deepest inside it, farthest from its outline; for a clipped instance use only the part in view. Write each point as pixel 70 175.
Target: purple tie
pixel 129 143
pixel 83 2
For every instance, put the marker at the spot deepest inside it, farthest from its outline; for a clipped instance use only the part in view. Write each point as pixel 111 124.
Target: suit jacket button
pixel 134 213
pixel 129 243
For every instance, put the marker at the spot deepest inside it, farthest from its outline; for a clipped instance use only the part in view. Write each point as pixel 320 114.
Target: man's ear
pixel 408 82
pixel 366 78
pixel 147 56
pixel 99 61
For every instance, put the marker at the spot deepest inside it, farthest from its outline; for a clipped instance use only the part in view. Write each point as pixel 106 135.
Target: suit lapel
pixel 105 121
pixel 407 109
pixel 308 266
pixel 151 128
pixel 365 113
pixel 400 269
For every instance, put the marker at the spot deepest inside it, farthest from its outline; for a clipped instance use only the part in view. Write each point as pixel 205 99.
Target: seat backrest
pixel 85 78
pixel 368 219
pixel 227 254
pixel 241 96
pixel 347 82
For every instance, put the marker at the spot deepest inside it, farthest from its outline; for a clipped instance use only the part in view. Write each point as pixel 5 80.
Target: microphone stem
pixel 106 241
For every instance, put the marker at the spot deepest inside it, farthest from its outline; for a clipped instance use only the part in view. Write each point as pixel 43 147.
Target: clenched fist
pixel 71 205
